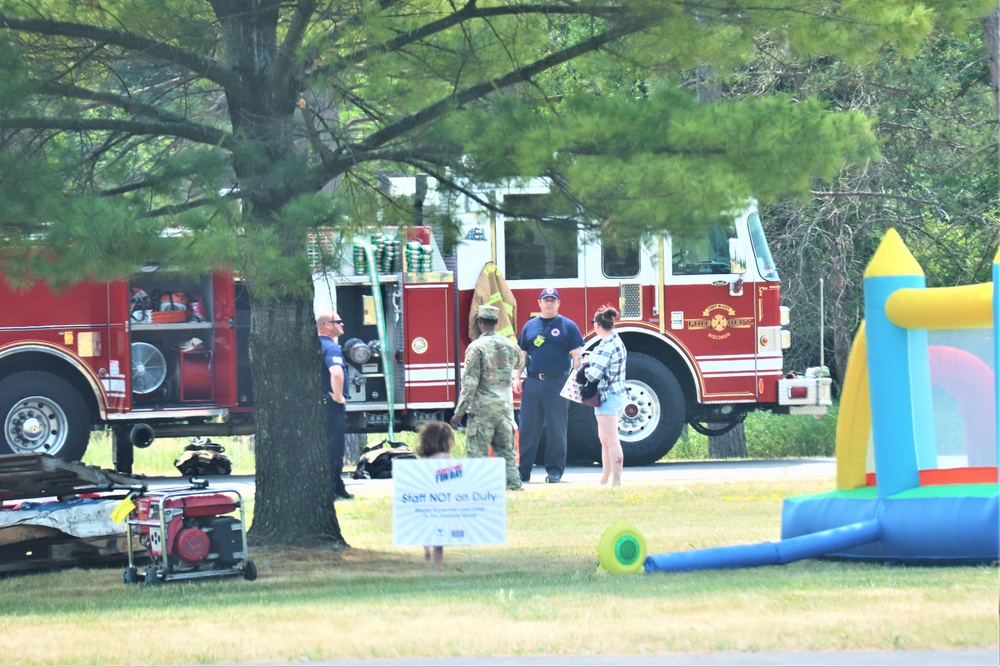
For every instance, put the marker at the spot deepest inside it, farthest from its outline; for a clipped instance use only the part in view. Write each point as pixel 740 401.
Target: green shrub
pixel 770 436
pixel 691 446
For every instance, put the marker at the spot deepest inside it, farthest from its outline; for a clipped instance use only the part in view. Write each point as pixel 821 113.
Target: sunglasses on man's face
pixel 335 321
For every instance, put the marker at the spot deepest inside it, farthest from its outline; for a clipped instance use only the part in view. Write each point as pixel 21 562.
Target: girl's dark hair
pixel 435 438
pixel 605 316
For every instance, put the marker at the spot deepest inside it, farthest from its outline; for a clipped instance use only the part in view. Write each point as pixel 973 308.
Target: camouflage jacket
pixel 490 360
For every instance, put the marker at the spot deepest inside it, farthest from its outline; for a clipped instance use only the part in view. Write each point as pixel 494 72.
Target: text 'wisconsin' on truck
pixel 161 354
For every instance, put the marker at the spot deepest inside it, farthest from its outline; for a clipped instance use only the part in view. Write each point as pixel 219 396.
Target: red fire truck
pixel 160 354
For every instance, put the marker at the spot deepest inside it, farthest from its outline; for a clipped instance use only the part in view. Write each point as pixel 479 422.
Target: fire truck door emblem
pixel 718 319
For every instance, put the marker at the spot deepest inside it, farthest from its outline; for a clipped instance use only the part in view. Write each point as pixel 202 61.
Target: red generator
pixel 190 533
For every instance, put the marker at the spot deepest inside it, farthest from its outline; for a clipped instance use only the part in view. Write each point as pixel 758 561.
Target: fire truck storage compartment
pixel 195 376
pixel 186 346
pixel 355 305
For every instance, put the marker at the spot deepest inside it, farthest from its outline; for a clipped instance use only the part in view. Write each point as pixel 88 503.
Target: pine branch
pixel 128 104
pixel 209 68
pixel 469 12
pixel 309 118
pixel 304 11
pixel 842 194
pixel 197 133
pixel 350 154
pixel 174 209
pixel 146 183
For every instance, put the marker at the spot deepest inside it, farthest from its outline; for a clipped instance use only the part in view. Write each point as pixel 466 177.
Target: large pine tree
pixel 248 123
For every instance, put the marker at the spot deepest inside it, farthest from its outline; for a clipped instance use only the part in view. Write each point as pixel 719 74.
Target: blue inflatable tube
pixel 767 553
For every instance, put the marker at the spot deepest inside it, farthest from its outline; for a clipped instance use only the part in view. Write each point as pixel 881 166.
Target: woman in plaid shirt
pixel 607 363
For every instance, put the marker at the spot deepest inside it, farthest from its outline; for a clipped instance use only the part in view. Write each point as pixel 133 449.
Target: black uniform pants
pixel 542 406
pixel 336 425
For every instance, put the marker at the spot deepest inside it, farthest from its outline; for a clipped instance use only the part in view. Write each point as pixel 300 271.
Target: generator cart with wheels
pixel 190 533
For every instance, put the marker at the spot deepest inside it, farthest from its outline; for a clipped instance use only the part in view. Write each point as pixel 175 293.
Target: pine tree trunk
pixel 294 498
pixel 729 445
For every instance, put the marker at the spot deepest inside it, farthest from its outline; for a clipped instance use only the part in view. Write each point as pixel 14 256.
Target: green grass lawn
pixel 538 594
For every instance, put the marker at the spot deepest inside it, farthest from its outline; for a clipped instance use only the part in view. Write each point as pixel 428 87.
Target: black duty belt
pixel 548 376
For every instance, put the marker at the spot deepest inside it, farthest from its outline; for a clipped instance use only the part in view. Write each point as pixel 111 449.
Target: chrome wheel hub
pixel 641 413
pixel 36 425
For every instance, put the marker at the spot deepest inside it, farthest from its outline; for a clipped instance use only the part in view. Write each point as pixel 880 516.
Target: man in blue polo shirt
pixel 333 376
pixel 551 345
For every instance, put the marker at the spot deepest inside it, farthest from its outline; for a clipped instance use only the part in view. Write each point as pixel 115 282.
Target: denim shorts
pixel 612 405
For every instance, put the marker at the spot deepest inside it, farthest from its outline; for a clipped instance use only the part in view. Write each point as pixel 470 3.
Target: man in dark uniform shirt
pixel 551 345
pixel 334 378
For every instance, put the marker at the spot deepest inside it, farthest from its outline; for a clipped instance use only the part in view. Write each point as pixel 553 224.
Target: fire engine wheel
pixel 43 414
pixel 649 423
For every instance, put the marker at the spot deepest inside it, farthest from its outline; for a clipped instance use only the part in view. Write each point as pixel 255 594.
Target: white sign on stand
pixel 449 502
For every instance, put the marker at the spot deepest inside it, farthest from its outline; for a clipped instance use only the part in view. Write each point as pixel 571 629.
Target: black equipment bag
pixel 376 461
pixel 204 457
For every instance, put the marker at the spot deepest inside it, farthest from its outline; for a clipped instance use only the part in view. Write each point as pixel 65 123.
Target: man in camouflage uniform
pixel 486 396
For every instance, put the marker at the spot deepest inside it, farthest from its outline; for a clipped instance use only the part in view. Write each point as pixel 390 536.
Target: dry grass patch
pixel 538 594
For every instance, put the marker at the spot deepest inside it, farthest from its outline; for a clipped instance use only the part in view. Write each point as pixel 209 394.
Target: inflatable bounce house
pixel 917 438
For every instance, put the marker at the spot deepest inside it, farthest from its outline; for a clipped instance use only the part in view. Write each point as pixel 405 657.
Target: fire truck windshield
pixel 765 263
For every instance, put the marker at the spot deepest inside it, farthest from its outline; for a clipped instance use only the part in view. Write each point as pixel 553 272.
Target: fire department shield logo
pixel 719 320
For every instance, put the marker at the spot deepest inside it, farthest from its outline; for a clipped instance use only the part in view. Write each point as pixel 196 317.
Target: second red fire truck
pixel 160 354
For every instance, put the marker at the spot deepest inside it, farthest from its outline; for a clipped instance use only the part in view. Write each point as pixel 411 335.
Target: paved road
pixel 673 471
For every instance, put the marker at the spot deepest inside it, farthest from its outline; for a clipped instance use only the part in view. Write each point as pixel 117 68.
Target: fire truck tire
pixel 42 413
pixel 650 423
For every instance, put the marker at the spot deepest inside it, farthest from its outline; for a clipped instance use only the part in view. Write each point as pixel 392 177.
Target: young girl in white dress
pixel 436 442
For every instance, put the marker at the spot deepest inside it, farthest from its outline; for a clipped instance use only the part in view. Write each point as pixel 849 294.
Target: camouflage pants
pixel 496 432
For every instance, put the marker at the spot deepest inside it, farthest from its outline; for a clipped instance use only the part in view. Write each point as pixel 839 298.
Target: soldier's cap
pixel 549 292
pixel 489 312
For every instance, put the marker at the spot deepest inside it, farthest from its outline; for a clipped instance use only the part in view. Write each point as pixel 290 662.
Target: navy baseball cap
pixel 550 292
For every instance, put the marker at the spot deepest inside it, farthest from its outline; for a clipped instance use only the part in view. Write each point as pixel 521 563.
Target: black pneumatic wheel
pixel 650 422
pixel 130 576
pixel 150 577
pixel 43 414
pixel 249 571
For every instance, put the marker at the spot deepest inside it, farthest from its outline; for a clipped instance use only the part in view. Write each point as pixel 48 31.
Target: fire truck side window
pixel 538 248
pixel 703 251
pixel 619 257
